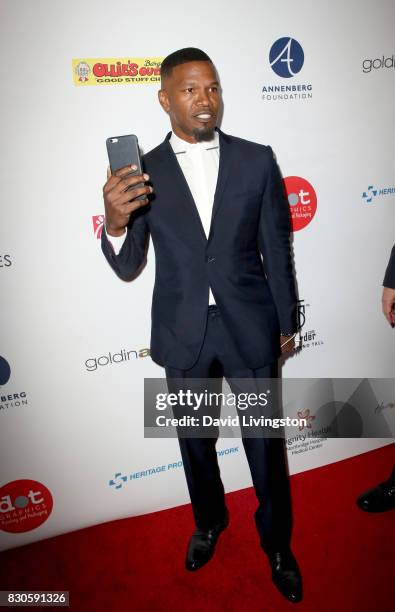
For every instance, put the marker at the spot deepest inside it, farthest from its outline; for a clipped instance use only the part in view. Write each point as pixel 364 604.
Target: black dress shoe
pixel 380 498
pixel 202 545
pixel 286 575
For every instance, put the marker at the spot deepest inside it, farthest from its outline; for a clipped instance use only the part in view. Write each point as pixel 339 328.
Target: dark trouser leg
pixel 267 462
pixel 198 454
pixel 269 474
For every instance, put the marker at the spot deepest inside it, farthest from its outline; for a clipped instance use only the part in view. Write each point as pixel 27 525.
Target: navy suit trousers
pixel 266 456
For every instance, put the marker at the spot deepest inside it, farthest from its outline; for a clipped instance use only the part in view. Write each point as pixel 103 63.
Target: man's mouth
pixel 204 116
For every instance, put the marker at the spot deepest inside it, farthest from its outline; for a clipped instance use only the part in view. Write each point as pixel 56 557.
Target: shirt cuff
pixel 116 241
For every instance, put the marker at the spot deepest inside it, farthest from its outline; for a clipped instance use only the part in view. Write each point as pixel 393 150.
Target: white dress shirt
pixel 200 163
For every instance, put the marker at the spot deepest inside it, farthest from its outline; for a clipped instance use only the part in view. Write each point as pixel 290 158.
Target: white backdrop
pixel 78 430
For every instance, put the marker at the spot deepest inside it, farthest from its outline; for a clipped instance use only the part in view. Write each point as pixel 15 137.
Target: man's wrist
pixel 117 233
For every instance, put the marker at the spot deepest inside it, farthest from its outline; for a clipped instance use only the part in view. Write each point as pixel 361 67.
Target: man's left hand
pixel 388 304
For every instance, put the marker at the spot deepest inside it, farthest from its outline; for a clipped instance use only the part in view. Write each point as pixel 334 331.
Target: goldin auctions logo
pixel 24 505
pixel 93 363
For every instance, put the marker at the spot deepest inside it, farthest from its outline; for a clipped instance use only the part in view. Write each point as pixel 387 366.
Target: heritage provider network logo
pixel 286 59
pixel 24 505
pixel 302 201
pixel 369 196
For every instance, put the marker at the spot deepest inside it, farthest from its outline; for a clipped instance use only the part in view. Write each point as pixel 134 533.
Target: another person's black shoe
pixel 202 545
pixel 286 574
pixel 380 498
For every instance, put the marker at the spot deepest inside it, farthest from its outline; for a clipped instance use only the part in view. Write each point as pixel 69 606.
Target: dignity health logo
pixel 372 193
pixel 286 59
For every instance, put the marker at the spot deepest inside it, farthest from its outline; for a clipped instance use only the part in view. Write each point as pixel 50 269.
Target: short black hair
pixel 182 56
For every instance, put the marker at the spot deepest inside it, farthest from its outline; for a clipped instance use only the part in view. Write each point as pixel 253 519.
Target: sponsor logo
pixel 308 441
pixel 307 417
pixel 309 338
pixel 119 479
pixel 302 201
pixel 82 70
pixel 24 505
pixel 98 222
pixel 5 371
pixel 5 261
pixel 372 193
pixel 286 57
pixel 116 71
pixel 93 363
pixel 376 64
pixel 380 407
pixel 286 60
pixel 9 400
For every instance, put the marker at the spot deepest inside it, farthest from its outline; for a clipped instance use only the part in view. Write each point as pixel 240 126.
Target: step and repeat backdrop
pixel 314 82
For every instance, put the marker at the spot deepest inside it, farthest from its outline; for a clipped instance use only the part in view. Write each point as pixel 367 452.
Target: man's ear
pixel 164 100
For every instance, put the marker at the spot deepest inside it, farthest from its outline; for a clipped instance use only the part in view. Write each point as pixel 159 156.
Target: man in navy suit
pixel 214 204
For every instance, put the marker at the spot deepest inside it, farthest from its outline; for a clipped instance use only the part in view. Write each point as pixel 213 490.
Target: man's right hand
pixel 120 203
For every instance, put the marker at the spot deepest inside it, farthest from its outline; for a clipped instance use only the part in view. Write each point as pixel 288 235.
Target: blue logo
pixel 118 480
pixel 286 57
pixel 371 193
pixel 5 371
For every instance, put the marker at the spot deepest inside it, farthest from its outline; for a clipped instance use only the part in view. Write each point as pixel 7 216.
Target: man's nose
pixel 202 98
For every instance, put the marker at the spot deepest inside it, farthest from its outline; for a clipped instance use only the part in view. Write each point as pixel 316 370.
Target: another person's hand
pixel 120 203
pixel 388 303
pixel 287 344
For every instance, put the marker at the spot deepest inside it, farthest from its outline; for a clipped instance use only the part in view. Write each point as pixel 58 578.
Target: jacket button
pixel 210 259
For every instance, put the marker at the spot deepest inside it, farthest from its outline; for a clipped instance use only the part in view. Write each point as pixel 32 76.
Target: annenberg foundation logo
pixel 9 400
pixel 116 71
pixel 286 57
pixel 98 222
pixel 5 371
pixel 24 505
pixel 286 60
pixel 302 201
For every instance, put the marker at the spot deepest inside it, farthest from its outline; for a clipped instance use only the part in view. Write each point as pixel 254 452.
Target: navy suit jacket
pixel 255 295
pixel 389 279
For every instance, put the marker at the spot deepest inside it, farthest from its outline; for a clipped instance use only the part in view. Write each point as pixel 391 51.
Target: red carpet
pixel 347 557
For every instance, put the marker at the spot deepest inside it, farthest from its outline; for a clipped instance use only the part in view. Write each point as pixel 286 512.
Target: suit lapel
pixel 173 168
pixel 223 173
pixel 181 186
